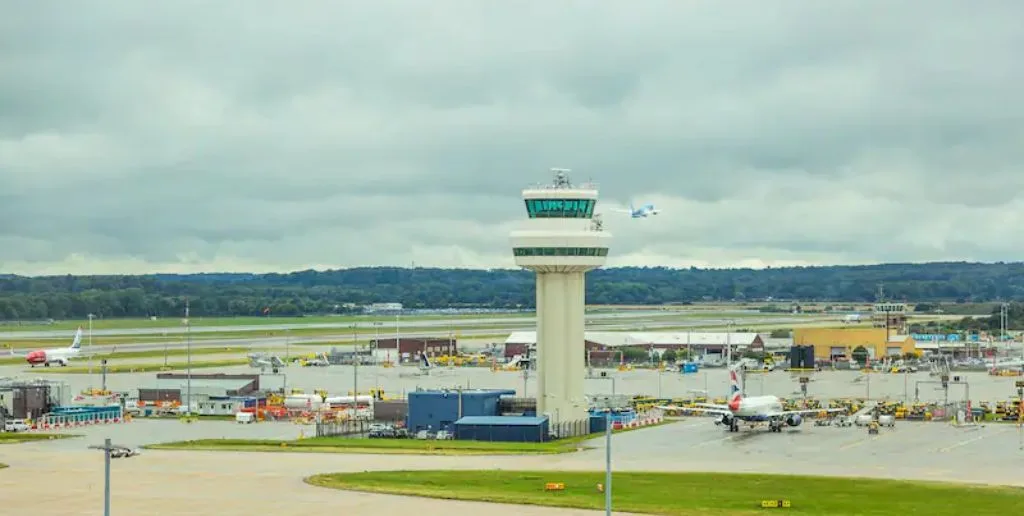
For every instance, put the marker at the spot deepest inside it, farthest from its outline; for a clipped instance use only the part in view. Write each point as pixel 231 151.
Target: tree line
pixel 344 290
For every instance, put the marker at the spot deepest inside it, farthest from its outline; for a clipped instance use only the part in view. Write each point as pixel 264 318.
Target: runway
pixel 237 483
pixel 445 330
pixel 383 322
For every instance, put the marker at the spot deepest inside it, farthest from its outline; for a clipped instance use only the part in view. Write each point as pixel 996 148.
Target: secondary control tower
pixel 561 241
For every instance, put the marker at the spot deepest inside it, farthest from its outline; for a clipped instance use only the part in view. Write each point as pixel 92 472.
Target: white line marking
pixel 705 443
pixel 974 439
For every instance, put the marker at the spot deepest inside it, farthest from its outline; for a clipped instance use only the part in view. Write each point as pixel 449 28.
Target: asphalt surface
pixel 236 483
pixel 397 381
pixel 523 324
pixel 346 325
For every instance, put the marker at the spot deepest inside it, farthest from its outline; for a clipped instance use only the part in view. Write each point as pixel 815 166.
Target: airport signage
pixel 933 337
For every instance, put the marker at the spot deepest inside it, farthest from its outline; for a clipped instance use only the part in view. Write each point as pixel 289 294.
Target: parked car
pixel 444 435
pixel 16 425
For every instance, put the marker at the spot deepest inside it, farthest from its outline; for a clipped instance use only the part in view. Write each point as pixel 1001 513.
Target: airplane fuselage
pixel 757 408
pixel 48 356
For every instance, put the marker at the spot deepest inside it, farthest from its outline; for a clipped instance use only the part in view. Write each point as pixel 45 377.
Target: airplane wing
pixel 808 411
pixel 718 411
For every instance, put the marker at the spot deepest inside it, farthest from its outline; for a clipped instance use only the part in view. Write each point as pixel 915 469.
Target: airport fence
pixel 346 428
pixel 567 429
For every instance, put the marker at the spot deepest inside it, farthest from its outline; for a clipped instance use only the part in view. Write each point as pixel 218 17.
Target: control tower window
pixel 560 208
pixel 560 251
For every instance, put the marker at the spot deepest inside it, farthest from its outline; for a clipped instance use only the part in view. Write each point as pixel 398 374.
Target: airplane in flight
pixel 642 212
pixel 56 355
pixel 754 410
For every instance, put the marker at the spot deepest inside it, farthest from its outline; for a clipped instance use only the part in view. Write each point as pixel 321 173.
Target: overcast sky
pixel 257 135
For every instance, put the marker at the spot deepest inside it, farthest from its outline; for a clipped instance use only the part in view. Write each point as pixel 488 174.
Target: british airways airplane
pixel 641 212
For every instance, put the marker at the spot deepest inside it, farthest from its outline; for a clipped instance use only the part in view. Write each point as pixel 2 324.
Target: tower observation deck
pixel 561 241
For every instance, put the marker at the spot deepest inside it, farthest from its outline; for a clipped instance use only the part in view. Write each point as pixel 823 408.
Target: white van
pixel 245 417
pixel 16 425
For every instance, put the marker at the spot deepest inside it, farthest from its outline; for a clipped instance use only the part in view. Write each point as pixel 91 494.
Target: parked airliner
pixel 753 410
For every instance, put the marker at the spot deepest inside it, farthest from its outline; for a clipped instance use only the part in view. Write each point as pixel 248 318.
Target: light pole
pixel 188 353
pixel 91 316
pixel 287 343
pixel 607 464
pixel 659 383
pixel 106 474
pixel 355 371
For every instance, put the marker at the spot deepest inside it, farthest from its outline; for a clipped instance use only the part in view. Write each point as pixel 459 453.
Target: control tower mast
pixel 561 241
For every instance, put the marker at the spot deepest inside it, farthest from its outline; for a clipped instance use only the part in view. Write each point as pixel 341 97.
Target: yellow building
pixel 839 343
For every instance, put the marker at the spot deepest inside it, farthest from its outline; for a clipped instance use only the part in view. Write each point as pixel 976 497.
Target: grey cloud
pixel 190 135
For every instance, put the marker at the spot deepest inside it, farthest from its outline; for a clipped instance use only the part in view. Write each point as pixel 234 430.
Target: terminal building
pixel 409 349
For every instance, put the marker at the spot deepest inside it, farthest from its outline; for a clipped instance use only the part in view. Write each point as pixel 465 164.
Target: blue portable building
pixel 522 429
pixel 439 410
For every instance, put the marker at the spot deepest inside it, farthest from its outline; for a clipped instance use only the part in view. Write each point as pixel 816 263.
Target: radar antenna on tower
pixel 562 177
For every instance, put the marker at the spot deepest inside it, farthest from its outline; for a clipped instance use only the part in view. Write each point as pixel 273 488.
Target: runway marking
pixel 705 443
pixel 965 442
pixel 861 442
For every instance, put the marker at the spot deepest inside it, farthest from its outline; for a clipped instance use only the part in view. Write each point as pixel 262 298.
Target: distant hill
pixel 307 292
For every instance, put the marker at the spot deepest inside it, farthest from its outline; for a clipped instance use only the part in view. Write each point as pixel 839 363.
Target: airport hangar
pixel 836 344
pixel 603 345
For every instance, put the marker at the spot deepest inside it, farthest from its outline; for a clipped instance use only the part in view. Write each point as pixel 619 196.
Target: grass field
pixel 21 437
pixel 142 368
pixel 389 446
pixel 689 493
pixel 174 322
pixel 341 333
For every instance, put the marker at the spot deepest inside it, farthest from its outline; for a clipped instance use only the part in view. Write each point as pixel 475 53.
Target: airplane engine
pixel 794 420
pixel 726 420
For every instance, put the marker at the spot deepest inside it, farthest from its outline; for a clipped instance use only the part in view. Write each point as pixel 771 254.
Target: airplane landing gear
pixel 775 426
pixel 734 426
pixel 47 364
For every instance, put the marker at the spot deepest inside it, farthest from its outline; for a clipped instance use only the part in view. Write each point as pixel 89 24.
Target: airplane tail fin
pixel 735 389
pixel 631 209
pixel 77 342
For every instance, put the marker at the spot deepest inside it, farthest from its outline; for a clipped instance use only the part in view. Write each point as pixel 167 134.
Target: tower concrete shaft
pixel 561 361
pixel 560 242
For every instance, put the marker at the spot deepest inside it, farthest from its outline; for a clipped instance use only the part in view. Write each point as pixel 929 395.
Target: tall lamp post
pixel 106 474
pixel 91 316
pixel 355 370
pixel 608 464
pixel 188 353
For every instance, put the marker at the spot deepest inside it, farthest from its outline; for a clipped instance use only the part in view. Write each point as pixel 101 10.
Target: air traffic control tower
pixel 561 241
